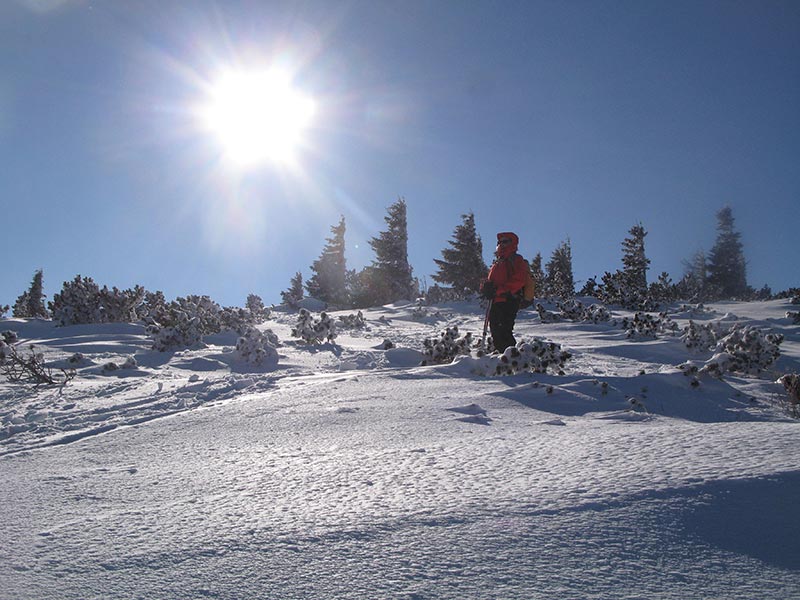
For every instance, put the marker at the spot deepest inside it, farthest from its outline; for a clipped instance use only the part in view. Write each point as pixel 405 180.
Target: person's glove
pixel 488 290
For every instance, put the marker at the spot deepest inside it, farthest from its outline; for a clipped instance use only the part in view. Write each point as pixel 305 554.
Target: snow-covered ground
pixel 349 471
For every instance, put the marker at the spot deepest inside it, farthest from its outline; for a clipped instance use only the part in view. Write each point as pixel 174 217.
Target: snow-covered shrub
pixel 77 303
pixel 238 319
pixel 546 316
pixel 154 307
pixel 701 338
pixel 120 306
pixel 312 330
pixel 129 364
pixel 259 312
pixel 353 321
pixel 617 289
pixel 185 323
pixel 575 310
pixel 82 301
pixel 693 311
pixel 745 350
pixel 645 325
pixel 4 308
pixel 794 316
pixel 445 347
pixel 536 356
pixel 437 294
pixel 257 348
pixel 9 337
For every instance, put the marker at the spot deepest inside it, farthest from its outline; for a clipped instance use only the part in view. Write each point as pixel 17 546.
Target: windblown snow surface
pixel 349 471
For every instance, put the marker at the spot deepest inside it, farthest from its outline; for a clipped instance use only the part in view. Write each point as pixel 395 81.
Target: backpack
pixel 528 291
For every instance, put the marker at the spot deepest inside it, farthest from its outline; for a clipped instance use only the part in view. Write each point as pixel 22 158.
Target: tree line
pixel 720 274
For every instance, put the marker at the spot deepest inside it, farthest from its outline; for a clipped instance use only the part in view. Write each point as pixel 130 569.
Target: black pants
pixel 501 323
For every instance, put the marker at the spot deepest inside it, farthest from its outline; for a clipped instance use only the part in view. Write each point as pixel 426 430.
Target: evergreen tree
pixel 559 281
pixel 294 294
pixel 330 270
pixel 634 261
pixel 727 269
pixel 462 265
pixel 693 285
pixel 389 278
pixel 537 273
pixel 31 303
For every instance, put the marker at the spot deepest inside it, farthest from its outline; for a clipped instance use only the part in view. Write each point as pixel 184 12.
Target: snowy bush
pixel 574 310
pixel 701 338
pixel 536 356
pixel 129 364
pixel 239 320
pixel 154 307
pixel 184 323
pixel 120 306
pixel 445 347
pixel 794 316
pixel 746 350
pixel 693 311
pixel 353 321
pixel 314 331
pixel 546 316
pixel 258 311
pixel 257 348
pixel 4 308
pixel 77 303
pixel 645 325
pixel 82 301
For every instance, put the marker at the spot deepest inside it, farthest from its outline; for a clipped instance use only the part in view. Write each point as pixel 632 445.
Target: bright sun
pixel 258 116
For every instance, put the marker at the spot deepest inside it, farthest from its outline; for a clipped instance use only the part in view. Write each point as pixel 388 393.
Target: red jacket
pixel 508 274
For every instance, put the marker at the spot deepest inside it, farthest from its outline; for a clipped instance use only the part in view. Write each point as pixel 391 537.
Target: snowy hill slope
pixel 349 471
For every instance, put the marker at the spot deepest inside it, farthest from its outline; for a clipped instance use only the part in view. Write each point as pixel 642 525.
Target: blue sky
pixel 556 120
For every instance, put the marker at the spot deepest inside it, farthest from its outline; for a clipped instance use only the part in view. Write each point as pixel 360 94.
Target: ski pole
pixel 486 325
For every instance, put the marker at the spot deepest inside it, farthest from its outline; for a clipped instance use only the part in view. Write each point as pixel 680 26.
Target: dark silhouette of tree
pixel 559 281
pixel 389 278
pixel 635 263
pixel 328 283
pixel 462 265
pixel 31 303
pixel 294 294
pixel 727 268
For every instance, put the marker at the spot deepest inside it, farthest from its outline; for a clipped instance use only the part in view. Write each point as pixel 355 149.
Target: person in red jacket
pixel 504 289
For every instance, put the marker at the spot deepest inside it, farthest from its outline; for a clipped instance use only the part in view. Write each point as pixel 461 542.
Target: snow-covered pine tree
pixel 462 265
pixel 537 273
pixel 727 268
pixel 692 286
pixel 294 294
pixel 389 278
pixel 559 281
pixel 328 283
pixel 662 290
pixel 634 261
pixel 31 303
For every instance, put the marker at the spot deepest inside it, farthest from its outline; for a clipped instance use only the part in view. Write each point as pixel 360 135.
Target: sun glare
pixel 258 116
